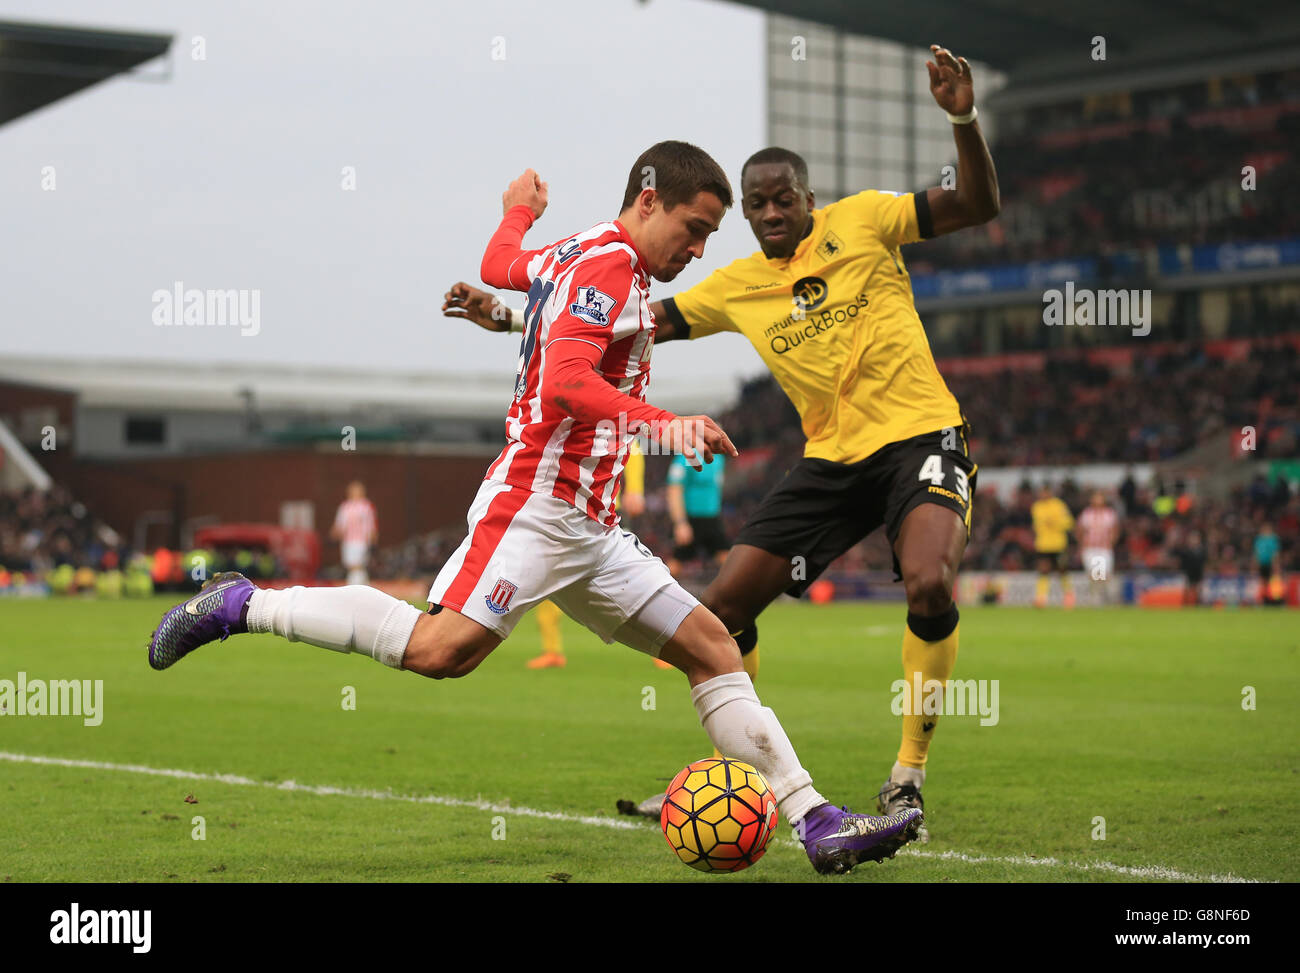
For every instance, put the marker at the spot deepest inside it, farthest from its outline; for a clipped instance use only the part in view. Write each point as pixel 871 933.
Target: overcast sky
pixel 228 174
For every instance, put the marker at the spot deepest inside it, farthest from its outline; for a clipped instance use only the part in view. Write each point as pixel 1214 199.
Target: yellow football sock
pixel 1044 585
pixel 548 622
pixel 932 660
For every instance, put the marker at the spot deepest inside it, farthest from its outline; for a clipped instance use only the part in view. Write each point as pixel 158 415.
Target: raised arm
pixel 505 262
pixel 976 199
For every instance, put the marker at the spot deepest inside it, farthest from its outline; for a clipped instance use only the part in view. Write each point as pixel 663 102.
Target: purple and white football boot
pixel 220 609
pixel 836 839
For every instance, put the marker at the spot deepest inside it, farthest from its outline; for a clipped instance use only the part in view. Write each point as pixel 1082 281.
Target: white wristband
pixel 516 321
pixel 965 119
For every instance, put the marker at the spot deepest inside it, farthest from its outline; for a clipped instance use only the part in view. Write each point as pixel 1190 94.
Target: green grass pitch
pixel 1131 716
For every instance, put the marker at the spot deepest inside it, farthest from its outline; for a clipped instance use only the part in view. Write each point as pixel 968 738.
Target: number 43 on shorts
pixel 932 470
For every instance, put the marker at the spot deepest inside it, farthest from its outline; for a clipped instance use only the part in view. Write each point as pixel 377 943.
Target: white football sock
pixel 743 729
pixel 348 619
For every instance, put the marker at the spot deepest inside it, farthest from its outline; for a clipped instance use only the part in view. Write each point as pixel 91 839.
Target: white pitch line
pixel 323 790
pixel 1136 871
pixel 1159 872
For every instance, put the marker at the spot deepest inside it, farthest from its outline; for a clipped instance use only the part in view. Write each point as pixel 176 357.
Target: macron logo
pixel 129 926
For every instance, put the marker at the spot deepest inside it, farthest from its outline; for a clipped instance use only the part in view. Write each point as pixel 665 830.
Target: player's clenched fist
pixel 528 190
pixel 697 438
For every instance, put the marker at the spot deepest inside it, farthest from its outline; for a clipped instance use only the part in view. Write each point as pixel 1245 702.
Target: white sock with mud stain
pixel 744 729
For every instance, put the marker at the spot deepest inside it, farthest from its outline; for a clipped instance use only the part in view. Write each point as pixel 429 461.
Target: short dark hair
pixel 676 171
pixel 779 156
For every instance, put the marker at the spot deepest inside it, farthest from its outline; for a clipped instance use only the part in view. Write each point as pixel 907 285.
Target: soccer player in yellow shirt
pixel 1052 524
pixel 827 303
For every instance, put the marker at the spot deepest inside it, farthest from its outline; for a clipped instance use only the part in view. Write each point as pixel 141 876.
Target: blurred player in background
pixel 543 524
pixel 1268 559
pixel 828 305
pixel 356 528
pixel 1098 534
pixel 1052 524
pixel 695 505
pixel 1191 555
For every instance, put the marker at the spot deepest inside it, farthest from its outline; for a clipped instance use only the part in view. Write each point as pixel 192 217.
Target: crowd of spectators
pixel 1134 171
pixel 41 530
pixel 1074 412
pixel 1161 529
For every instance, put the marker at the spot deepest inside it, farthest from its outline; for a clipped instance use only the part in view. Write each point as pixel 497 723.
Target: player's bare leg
pixel 743 729
pixel 448 645
pixel 748 580
pixel 929 548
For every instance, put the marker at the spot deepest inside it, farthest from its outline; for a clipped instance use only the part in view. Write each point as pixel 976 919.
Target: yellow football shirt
pixel 837 326
pixel 1052 519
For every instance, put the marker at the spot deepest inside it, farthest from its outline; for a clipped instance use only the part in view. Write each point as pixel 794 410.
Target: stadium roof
pixel 216 387
pixel 1031 40
pixel 41 63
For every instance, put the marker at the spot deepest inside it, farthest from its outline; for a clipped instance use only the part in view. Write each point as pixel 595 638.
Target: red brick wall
pixel 412 494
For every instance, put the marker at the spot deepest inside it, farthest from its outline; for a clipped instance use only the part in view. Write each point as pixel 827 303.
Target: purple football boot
pixel 220 609
pixel 836 839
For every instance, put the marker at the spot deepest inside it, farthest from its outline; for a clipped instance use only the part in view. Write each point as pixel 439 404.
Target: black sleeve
pixel 679 322
pixel 924 223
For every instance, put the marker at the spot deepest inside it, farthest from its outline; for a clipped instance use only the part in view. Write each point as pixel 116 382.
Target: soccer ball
pixel 718 815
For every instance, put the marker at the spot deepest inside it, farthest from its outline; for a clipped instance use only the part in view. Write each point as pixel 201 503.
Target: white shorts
pixel 525 547
pixel 355 553
pixel 1094 557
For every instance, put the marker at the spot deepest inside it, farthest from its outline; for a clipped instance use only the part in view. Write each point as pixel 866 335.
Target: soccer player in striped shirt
pixel 1098 532
pixel 544 524
pixel 827 303
pixel 355 528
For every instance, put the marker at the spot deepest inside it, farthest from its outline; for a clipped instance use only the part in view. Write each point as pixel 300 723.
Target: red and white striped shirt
pixel 1098 527
pixel 355 521
pixel 584 361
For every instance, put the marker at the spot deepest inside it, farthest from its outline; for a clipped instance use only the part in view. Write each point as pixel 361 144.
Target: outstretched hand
pixel 950 81
pixel 472 304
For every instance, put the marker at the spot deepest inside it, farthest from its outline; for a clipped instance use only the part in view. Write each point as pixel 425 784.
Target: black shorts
pixel 1055 559
pixel 821 508
pixel 709 539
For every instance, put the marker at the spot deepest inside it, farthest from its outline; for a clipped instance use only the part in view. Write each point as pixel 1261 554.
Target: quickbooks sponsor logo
pixel 810 293
pixel 793 330
pixel 56 697
pixel 132 927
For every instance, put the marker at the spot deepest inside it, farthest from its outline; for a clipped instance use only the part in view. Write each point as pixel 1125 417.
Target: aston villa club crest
pixel 498 599
pixel 830 247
